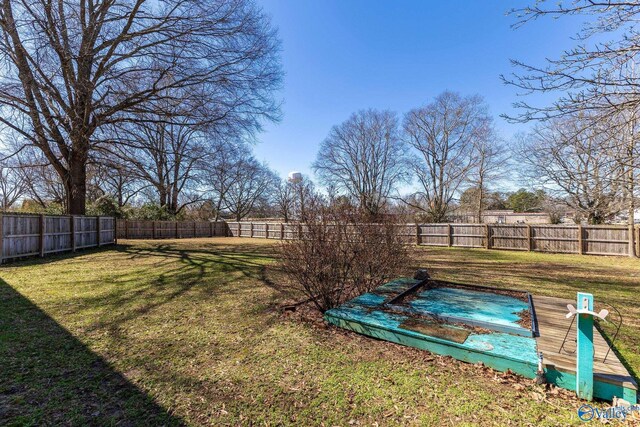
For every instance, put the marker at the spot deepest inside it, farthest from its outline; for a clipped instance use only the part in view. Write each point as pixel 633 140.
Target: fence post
pixel 529 240
pixel 417 234
pixel 115 230
pixel 195 229
pixel 177 230
pixel 1 236
pixel 487 236
pixel 41 237
pixel 266 228
pixel 251 229
pixel 450 229
pixel 580 240
pixel 98 231
pixel 281 230
pixel 153 229
pixel 632 244
pixel 211 229
pixel 73 233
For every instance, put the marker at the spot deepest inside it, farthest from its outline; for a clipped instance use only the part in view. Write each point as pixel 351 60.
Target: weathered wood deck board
pixel 553 325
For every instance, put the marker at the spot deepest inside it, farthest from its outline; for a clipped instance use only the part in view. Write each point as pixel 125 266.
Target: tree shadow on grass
pixel 49 377
pixel 172 272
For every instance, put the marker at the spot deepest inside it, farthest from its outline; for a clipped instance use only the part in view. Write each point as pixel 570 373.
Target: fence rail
pixel 41 235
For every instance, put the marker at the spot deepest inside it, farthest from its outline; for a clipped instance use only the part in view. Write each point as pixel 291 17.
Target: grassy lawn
pixel 188 332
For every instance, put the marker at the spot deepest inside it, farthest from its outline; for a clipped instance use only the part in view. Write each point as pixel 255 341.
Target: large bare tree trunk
pixel 76 188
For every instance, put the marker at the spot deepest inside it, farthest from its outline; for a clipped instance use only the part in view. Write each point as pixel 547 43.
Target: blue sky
pixel 343 56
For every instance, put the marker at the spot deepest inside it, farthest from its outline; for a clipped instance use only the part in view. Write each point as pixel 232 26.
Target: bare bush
pixel 337 253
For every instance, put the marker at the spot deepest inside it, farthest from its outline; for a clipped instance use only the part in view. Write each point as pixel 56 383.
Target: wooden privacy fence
pixel 147 229
pixel 24 235
pixel 40 235
pixel 577 239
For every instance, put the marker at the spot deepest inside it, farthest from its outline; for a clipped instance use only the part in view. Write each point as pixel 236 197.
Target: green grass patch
pixel 188 332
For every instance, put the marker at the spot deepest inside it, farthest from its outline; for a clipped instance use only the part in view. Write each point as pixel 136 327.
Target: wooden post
pixel 195 229
pixel 98 231
pixel 251 229
pixel 529 240
pixel 281 230
pixel 115 230
pixel 153 229
pixel 450 228
pixel 177 230
pixel 73 233
pixel 211 231
pixel 632 245
pixel 584 346
pixel 417 234
pixel 239 229
pixel 1 237
pixel 580 240
pixel 487 236
pixel 266 228
pixel 126 228
pixel 41 237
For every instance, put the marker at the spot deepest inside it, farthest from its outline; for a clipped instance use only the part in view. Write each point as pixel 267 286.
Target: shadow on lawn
pixel 201 273
pixel 49 377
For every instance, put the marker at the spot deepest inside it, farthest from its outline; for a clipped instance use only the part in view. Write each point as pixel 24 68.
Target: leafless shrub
pixel 340 252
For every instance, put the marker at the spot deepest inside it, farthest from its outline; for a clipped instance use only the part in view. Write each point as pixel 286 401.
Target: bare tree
pixel 490 157
pixel 284 197
pixel 251 183
pixel 220 170
pixel 12 186
pixel 595 75
pixel 622 142
pixel 364 157
pixel 166 156
pixel 115 179
pixel 42 184
pixel 445 135
pixel 71 68
pixel 567 157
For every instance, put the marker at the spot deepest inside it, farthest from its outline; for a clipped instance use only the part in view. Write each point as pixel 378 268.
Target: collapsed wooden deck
pixel 611 378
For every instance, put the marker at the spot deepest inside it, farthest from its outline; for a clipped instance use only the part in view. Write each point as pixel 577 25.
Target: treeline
pixel 150 113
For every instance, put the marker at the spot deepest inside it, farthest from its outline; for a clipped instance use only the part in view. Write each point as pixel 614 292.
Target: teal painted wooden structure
pixel 369 314
pixel 584 353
